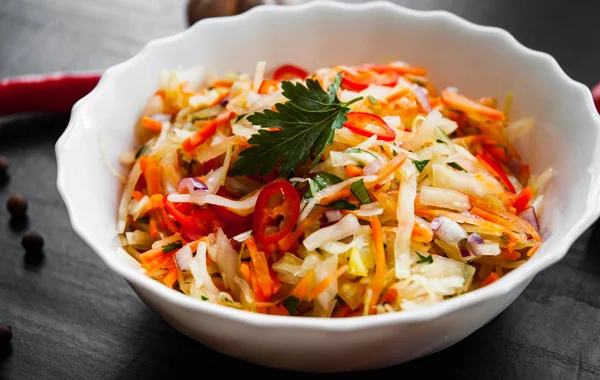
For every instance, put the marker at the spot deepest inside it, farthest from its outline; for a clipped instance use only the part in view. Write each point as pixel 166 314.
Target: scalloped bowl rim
pixel 495 290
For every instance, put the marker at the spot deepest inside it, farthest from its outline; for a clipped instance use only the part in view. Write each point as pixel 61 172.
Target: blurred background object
pixel 200 9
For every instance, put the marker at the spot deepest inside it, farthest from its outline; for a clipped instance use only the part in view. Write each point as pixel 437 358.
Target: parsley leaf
pixel 342 204
pixel 372 99
pixel 204 298
pixel 424 259
pixel 456 166
pixel 321 181
pixel 360 191
pixel 306 124
pixel 291 304
pixel 421 165
pixel 237 119
pixel 171 246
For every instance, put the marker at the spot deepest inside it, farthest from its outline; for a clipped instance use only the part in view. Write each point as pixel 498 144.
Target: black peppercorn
pixel 32 242
pixel 5 335
pixel 17 206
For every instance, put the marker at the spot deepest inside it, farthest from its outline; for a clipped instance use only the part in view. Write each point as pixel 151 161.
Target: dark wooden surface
pixel 74 319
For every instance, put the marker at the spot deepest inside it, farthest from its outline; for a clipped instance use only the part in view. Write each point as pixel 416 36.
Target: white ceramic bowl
pixel 478 60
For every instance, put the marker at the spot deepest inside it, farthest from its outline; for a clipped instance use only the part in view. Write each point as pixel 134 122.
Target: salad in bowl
pixel 342 192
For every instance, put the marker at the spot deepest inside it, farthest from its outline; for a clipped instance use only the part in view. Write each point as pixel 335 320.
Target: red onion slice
pixel 191 184
pixel 373 167
pixel 529 215
pixel 333 216
pixel 421 97
pixel 448 230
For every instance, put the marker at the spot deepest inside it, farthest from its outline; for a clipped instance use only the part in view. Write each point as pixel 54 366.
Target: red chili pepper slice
pixel 200 221
pixel 364 124
pixel 277 200
pixel 287 72
pixel 361 77
pixel 496 168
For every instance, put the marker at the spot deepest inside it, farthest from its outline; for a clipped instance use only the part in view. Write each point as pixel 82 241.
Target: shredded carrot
pixel 490 278
pixel 153 228
pixel 151 254
pixel 157 200
pixel 160 93
pixel 389 296
pixel 245 271
pixel 171 226
pixel 222 83
pixel 267 86
pixel 353 170
pixel 301 289
pixel 421 233
pixel 220 98
pixel 342 312
pixel 388 169
pixel 380 264
pixel 324 284
pixel 171 277
pixel 385 172
pixel 261 268
pixel 137 195
pixel 165 261
pixel 494 219
pixel 293 236
pixel 283 310
pixel 511 255
pixel 460 102
pixel 150 170
pixel 151 124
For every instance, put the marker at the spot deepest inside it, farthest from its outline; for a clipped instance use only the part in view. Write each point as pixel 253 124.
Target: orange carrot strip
pixel 245 271
pixel 324 284
pixel 283 310
pixel 385 172
pixel 151 124
pixel 459 218
pixel 220 98
pixel 137 195
pixel 153 227
pixel 156 200
pixel 273 310
pixel 421 232
pixel 511 255
pixel 291 239
pixel 160 93
pixel 301 289
pixel 388 169
pixel 462 103
pixel 222 83
pixel 208 131
pixel 491 278
pixel 494 219
pixel 389 296
pixel 151 254
pixel 164 261
pixel 171 226
pixel 353 170
pixel 261 268
pixel 342 312
pixel 380 265
pixel 267 86
pixel 171 277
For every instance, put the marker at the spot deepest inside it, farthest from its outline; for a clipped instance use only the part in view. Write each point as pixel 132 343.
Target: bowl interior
pixel 478 61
